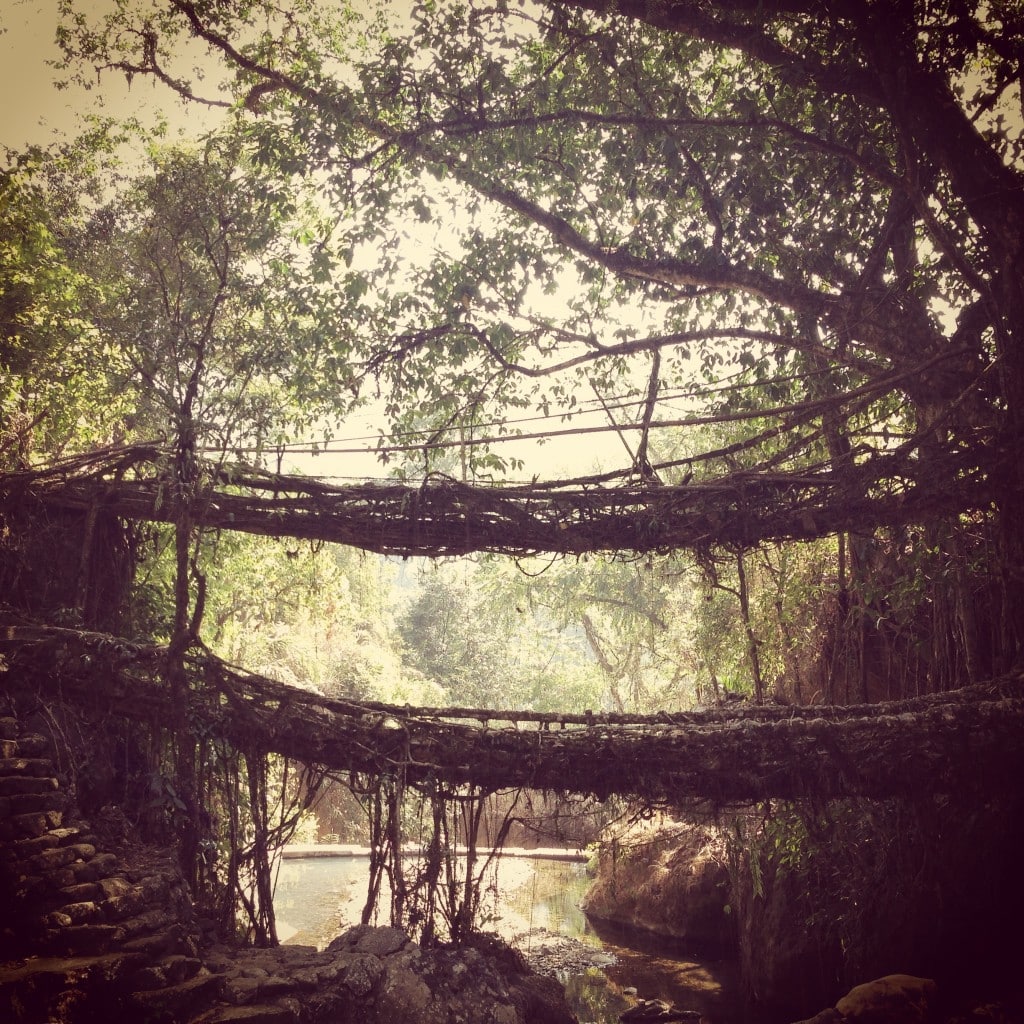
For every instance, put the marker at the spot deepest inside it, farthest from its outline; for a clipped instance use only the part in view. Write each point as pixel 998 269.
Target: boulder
pixel 366 939
pixel 894 999
pixel 670 878
pixel 829 1016
pixel 379 976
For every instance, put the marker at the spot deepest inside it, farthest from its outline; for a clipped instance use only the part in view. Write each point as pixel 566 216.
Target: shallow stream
pixel 530 900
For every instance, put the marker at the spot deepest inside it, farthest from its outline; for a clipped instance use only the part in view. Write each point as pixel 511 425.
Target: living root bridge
pixel 444 517
pixel 971 739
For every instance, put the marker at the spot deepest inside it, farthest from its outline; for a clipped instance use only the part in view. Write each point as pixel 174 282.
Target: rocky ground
pixel 551 955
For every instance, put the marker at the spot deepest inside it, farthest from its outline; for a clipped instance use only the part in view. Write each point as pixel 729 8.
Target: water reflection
pixel 318 898
pixel 659 968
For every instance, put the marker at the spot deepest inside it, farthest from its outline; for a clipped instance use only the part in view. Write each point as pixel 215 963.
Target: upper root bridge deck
pixel 444 517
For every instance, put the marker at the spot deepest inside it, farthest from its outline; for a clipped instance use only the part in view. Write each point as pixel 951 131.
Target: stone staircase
pixel 83 934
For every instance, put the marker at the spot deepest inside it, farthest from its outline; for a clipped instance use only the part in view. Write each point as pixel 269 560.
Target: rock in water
pixel 894 999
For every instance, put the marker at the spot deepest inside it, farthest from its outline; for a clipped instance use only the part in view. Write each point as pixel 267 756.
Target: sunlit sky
pixel 26 82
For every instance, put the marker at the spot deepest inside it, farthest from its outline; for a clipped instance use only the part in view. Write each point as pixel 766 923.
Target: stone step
pixel 171 970
pixel 128 905
pixel 157 888
pixel 81 891
pixel 117 886
pixel 16 785
pixel 38 766
pixel 30 887
pixel 32 744
pixel 43 988
pixel 157 944
pixel 57 857
pixel 263 1013
pixel 85 912
pixel 178 967
pixel 28 826
pixel 60 878
pixel 28 803
pixel 243 989
pixel 102 865
pixel 115 897
pixel 84 940
pixel 148 923
pixel 56 872
pixel 49 840
pixel 176 1002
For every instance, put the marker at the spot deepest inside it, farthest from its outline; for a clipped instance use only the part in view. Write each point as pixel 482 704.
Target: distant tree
pixel 629 621
pixel 486 648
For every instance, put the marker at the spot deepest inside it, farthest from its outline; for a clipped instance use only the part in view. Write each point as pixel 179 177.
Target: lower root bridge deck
pixel 941 743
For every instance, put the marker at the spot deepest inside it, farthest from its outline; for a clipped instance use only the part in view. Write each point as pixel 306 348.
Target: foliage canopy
pixel 774 250
pixel 730 212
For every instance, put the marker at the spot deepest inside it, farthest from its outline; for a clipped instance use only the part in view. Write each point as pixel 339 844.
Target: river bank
pixel 302 851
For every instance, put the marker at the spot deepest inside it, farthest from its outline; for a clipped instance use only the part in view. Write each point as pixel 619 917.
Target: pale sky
pixel 26 82
pixel 33 110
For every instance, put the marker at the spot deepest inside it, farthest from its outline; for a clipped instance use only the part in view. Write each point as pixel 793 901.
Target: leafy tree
pixel 203 304
pixel 54 383
pixel 828 198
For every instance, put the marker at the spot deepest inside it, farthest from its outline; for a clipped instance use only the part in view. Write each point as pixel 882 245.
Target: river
pixel 317 898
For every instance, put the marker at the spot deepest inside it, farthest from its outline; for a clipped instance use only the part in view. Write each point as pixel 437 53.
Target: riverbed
pixel 531 902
